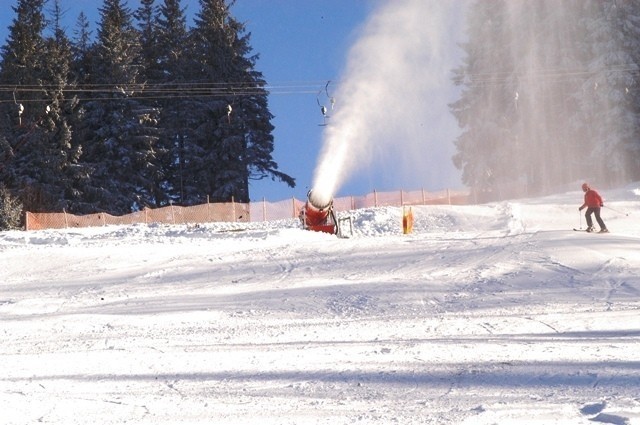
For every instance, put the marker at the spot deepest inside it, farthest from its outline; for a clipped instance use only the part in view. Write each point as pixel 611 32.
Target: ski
pixel 585 230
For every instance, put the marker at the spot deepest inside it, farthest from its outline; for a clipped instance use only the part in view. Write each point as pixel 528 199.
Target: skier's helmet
pixel 585 187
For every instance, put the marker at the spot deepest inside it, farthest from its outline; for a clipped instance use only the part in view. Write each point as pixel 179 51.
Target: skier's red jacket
pixel 592 199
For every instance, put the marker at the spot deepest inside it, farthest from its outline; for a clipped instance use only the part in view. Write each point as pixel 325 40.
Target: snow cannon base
pixel 319 222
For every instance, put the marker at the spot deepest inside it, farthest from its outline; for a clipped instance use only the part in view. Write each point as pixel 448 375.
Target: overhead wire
pixel 168 90
pixel 508 78
pixel 199 89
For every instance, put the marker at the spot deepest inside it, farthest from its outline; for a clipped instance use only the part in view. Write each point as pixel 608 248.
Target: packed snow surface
pixel 487 314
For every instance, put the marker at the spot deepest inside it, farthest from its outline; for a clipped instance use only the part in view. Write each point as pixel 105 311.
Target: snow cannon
pixel 318 215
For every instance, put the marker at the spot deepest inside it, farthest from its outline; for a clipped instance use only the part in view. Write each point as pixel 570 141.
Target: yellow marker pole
pixel 407 220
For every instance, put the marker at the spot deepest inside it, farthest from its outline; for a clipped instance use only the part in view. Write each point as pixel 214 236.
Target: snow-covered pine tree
pixel 40 158
pixel 149 110
pixel 612 92
pixel 82 47
pixel 232 131
pixel 484 131
pixel 19 66
pixel 146 18
pixel 10 210
pixel 58 161
pixel 206 151
pixel 21 62
pixel 174 93
pixel 545 45
pixel 117 149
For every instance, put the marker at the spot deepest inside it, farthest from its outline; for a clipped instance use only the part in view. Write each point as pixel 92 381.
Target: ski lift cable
pixel 193 89
pixel 161 91
pixel 320 86
pixel 192 85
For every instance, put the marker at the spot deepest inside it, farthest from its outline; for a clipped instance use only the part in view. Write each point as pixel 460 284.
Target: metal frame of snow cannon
pixel 322 218
pixel 342 222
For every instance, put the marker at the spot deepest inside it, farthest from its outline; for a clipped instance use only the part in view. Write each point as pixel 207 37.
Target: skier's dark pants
pixel 596 211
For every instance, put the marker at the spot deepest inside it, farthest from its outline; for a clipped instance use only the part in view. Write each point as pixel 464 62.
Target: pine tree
pixel 232 131
pixel 483 130
pixel 150 109
pixel 173 89
pixel 22 58
pixel 10 210
pixel 146 17
pixel 82 48
pixel 120 155
pixel 26 128
pixel 631 33
pixel 209 74
pixel 612 91
pixel 57 159
pixel 19 68
pixel 545 35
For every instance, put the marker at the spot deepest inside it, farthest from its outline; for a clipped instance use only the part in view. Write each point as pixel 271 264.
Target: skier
pixel 593 203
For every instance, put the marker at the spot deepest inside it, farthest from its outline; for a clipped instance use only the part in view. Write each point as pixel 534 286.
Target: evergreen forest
pixel 145 112
pixel 549 96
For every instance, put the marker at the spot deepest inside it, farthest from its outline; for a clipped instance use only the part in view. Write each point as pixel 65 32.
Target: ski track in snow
pixel 495 313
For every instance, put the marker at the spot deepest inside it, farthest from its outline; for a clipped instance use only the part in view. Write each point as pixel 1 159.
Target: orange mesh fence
pixel 239 212
pixel 399 198
pixel 268 211
pixel 205 213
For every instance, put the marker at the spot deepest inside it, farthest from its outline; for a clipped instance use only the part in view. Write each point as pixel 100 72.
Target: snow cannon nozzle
pixel 318 202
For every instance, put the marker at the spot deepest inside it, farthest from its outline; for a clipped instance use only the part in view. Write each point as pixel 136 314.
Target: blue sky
pixel 302 44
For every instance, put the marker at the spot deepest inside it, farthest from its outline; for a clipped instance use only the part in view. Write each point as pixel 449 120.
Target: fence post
pixel 26 220
pixel 375 198
pixel 293 204
pixel 173 214
pixel 66 221
pixel 264 209
pixel 233 207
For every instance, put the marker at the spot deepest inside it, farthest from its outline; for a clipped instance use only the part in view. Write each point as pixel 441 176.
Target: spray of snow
pixel 391 104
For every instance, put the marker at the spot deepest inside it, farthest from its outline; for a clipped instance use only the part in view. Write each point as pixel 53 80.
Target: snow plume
pixel 391 104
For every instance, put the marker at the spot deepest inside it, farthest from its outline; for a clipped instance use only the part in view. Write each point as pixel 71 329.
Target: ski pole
pixel 580 215
pixel 619 212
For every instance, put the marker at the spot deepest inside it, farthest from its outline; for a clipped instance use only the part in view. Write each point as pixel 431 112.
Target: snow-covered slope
pixel 496 313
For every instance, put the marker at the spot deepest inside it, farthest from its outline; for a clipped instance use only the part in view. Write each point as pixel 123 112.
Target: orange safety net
pixel 239 212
